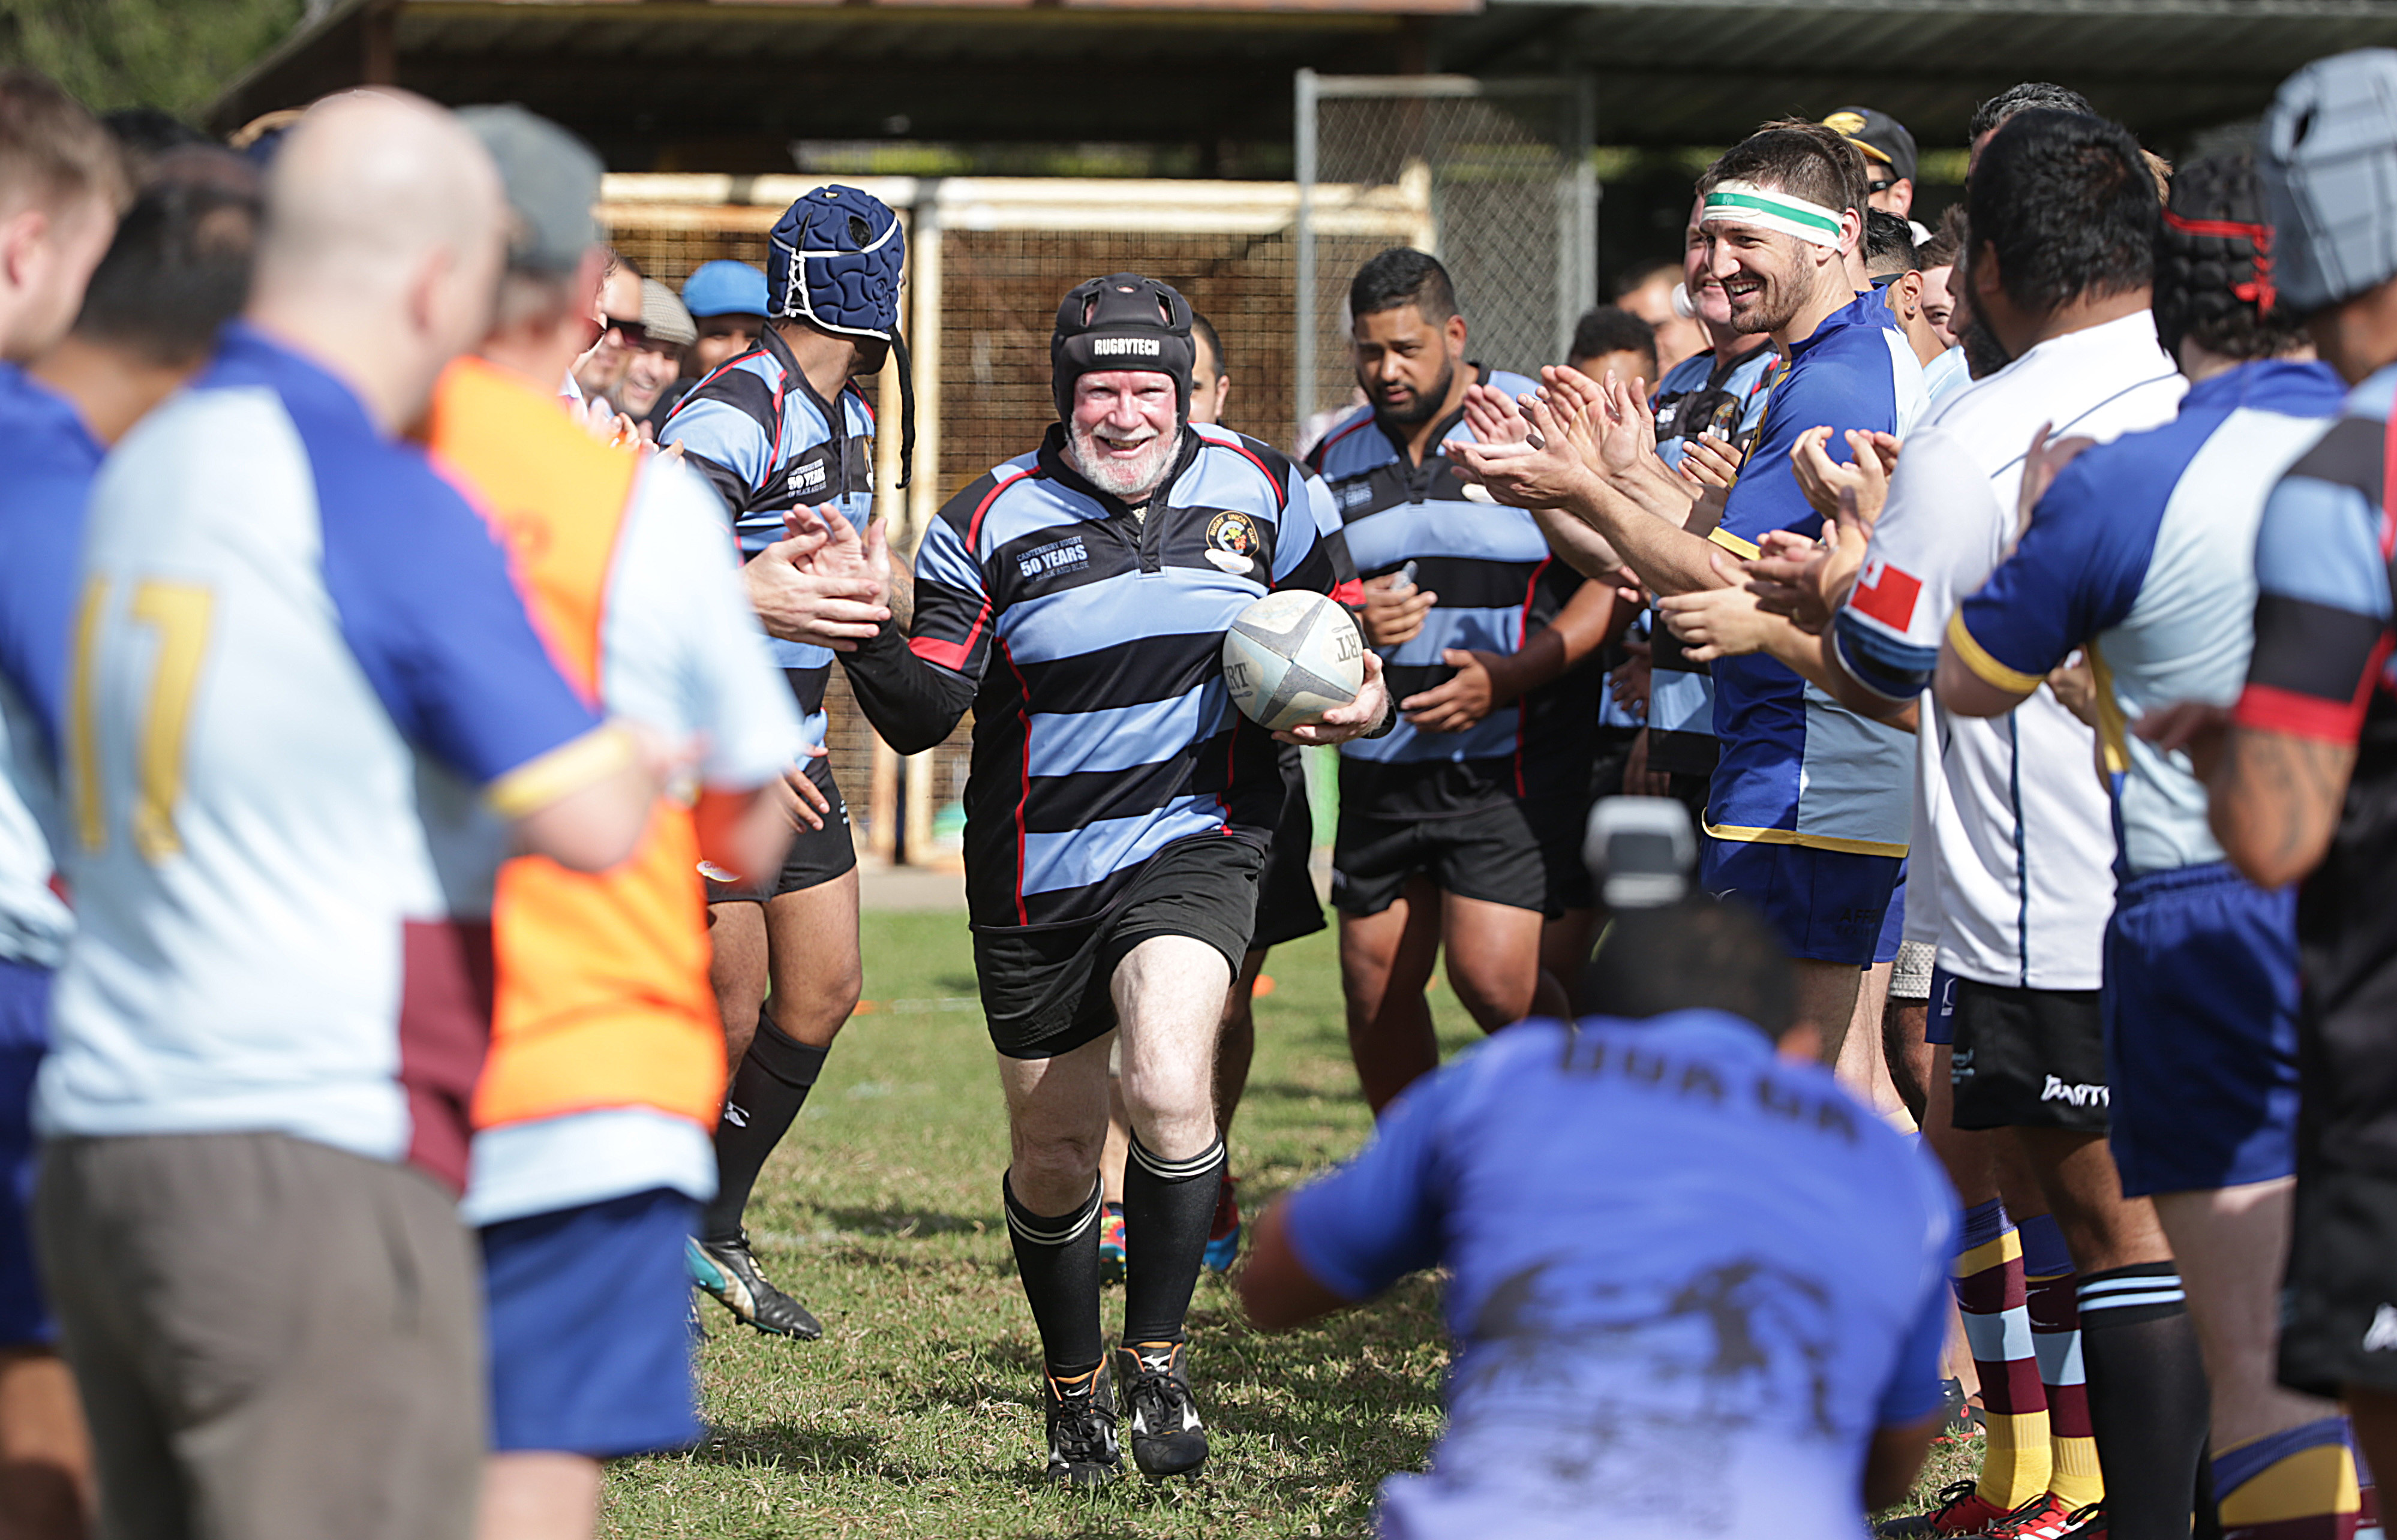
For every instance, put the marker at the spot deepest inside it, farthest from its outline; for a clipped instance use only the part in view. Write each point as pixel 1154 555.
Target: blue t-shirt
pixel 52 459
pixel 2139 553
pixel 1690 1281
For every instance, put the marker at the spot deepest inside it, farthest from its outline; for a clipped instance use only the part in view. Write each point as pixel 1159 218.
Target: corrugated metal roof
pixel 1701 71
pixel 1689 71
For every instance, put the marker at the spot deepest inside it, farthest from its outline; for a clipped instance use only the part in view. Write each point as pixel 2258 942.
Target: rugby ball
pixel 1290 657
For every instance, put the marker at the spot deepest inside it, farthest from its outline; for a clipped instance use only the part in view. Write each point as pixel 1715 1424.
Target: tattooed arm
pixel 2275 801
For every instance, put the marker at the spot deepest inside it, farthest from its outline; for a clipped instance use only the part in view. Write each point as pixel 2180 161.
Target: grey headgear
pixel 2328 155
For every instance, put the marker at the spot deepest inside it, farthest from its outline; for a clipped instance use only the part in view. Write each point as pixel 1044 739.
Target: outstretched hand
pixel 1354 721
pixel 821 585
pixel 1543 471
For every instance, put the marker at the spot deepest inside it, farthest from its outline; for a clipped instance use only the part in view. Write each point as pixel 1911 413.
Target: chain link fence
pixel 1493 177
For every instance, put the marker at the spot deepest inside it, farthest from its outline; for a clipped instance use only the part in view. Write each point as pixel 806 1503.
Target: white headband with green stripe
pixel 1744 203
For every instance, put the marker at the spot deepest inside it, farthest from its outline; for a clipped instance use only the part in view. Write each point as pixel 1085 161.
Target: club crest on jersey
pixel 1232 542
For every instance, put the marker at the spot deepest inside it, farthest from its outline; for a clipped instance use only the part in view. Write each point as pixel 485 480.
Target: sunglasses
pixel 631 333
pixel 1874 187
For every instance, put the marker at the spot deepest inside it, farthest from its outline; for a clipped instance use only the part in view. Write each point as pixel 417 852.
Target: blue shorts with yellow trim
pixel 589 1311
pixel 1893 922
pixel 2200 1011
pixel 1827 906
pixel 24 1028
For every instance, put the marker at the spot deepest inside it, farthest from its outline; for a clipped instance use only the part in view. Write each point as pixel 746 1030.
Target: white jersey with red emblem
pixel 2011 827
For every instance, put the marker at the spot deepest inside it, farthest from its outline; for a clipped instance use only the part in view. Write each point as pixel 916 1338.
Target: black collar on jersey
pixel 1720 369
pixel 771 344
pixel 1057 468
pixel 1442 429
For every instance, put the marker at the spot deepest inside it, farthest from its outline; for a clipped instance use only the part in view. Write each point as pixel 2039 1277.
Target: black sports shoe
pixel 1167 1438
pixel 1081 1430
pixel 726 1269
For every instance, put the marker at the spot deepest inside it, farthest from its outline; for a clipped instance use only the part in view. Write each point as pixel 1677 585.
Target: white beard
pixel 1128 479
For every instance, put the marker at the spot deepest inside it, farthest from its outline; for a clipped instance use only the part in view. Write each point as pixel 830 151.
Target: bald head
pixel 385 236
pixel 370 182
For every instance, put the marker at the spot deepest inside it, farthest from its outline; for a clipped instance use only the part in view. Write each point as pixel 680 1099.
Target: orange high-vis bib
pixel 603 999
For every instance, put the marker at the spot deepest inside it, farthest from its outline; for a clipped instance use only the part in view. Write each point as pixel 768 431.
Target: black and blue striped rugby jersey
pixel 765 441
pixel 1497 584
pixel 1088 640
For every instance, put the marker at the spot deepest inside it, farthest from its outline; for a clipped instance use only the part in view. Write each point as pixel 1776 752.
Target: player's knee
pixel 1052 1160
pixel 1491 991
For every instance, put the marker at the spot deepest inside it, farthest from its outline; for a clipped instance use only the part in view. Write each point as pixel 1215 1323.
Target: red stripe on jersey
pixel 1023 794
pixel 1315 457
pixel 1350 594
pixel 1280 492
pixel 2265 709
pixel 950 655
pixel 974 525
pixel 1887 596
pixel 1522 635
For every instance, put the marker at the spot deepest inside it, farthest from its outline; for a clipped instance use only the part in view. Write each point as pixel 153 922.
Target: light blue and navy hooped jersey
pixel 302 682
pixel 1797 768
pixel 2139 553
pixel 1092 636
pixel 766 441
pixel 1497 583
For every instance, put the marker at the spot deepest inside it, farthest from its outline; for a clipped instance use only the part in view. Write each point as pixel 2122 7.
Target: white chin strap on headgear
pixel 1746 203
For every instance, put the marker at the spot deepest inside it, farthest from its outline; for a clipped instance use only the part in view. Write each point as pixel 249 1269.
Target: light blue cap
pixel 725 288
pixel 2329 165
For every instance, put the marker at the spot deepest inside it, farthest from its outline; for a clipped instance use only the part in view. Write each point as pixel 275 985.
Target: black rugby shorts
pixel 2030 1058
pixel 1287 905
pixel 1049 992
pixel 2338 1299
pixel 1495 855
pixel 816 856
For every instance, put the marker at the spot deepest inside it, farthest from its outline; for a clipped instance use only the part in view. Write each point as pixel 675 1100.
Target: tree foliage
pixel 170 54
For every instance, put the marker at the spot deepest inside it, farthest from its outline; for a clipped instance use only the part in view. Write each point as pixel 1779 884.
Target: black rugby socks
pixel 767 1090
pixel 1168 1207
pixel 2148 1402
pixel 1058 1259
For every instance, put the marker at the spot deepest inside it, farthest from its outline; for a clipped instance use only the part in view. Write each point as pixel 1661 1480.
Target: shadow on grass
pixel 1329 1090
pixel 902 1223
pixel 793 1448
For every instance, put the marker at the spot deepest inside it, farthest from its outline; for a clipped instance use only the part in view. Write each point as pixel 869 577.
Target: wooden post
pixel 882 804
pixel 924 343
pixel 379 45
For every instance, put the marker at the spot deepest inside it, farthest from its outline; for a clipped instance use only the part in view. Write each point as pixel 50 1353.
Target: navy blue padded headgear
pixel 1123 321
pixel 834 261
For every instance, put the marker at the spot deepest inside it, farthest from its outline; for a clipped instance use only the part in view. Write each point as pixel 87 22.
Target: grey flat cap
pixel 552 184
pixel 2329 162
pixel 663 316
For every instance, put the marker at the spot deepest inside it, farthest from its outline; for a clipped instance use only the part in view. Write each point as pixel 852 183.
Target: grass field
pixel 917 1414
